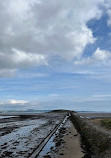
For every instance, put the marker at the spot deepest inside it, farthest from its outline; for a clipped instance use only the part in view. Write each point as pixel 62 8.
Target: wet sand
pixel 94 115
pixel 65 143
pixel 72 148
pixel 19 136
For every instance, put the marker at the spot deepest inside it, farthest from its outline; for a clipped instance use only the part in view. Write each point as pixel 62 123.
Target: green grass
pixel 106 123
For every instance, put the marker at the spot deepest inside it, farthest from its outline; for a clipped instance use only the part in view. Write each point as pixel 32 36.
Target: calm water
pixel 27 111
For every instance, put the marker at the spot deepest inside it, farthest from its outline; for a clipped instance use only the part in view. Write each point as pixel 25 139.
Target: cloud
pixel 7 72
pixel 102 95
pixel 108 11
pixel 16 59
pixel 22 102
pixel 23 59
pixel 101 57
pixel 101 54
pixel 34 32
pixel 109 15
pixel 33 75
pixel 99 97
pixel 14 102
pixel 104 77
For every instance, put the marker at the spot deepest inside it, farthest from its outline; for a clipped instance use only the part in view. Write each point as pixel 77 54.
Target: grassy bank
pixel 96 141
pixel 106 123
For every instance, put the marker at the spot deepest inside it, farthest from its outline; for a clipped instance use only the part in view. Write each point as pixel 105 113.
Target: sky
pixel 55 55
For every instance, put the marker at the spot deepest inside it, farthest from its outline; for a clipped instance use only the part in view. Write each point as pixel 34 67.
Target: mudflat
pixel 94 114
pixel 19 136
pixel 65 143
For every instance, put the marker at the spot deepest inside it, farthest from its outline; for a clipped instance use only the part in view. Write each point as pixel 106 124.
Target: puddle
pixel 51 145
pixel 47 149
pixel 2 117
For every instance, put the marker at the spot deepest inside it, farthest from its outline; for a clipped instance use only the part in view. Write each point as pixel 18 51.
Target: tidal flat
pixel 79 135
pixel 19 136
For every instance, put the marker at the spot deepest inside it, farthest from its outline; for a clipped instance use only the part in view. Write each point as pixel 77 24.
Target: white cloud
pixel 108 10
pixel 33 32
pixel 102 95
pixel 18 102
pixel 80 40
pixel 21 58
pixel 14 102
pixel 98 57
pixel 101 54
pixel 10 62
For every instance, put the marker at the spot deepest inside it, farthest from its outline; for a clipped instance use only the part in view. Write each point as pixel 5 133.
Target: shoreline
pixel 21 135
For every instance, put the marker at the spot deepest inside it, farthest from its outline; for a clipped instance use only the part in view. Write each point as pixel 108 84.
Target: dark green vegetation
pixel 97 143
pixel 60 110
pixel 106 123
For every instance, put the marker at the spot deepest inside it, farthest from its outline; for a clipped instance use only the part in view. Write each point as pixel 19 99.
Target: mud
pixel 19 136
pixel 64 143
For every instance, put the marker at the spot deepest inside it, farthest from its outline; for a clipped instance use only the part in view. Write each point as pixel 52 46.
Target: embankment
pixel 96 141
